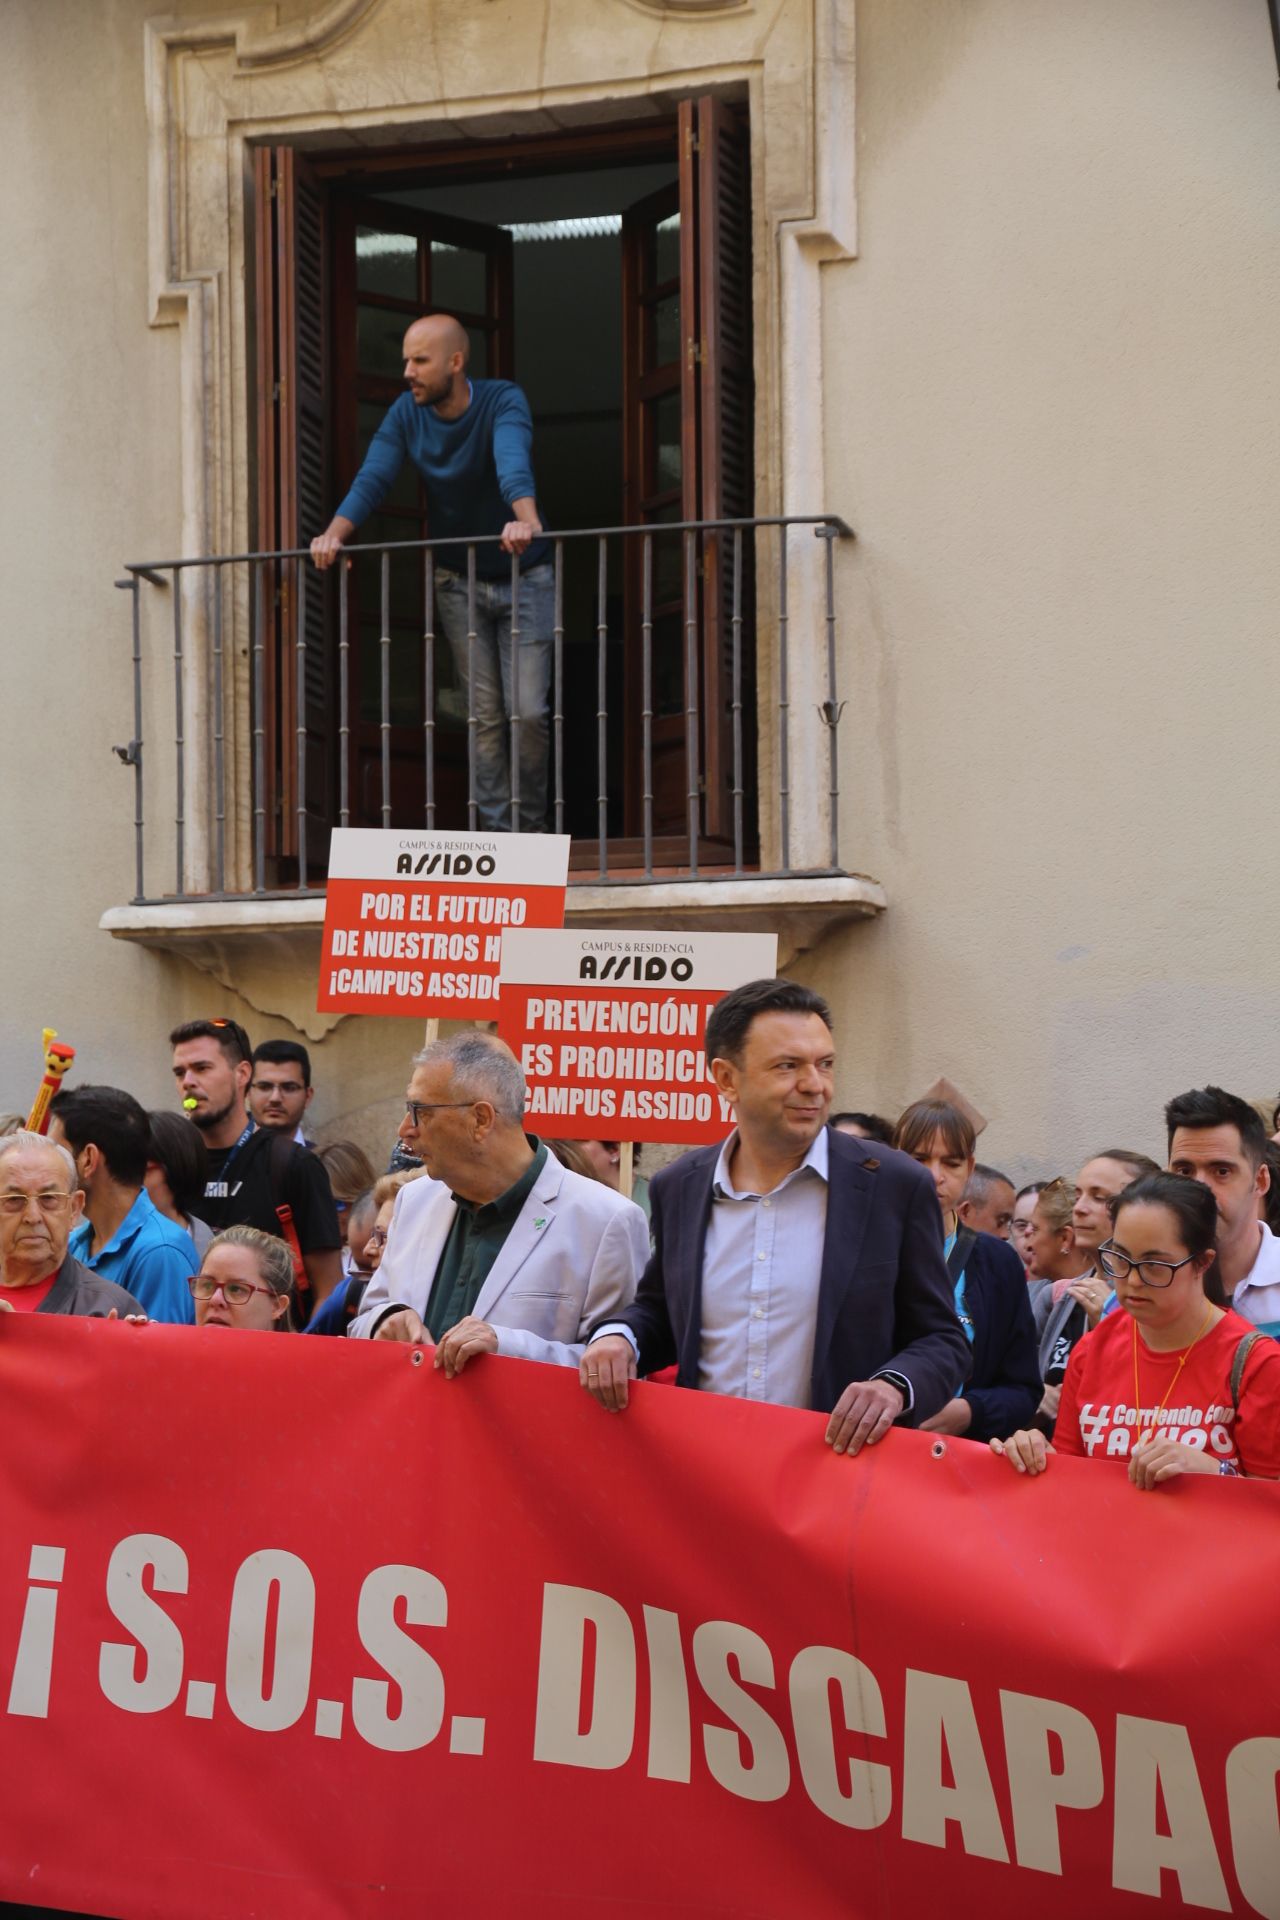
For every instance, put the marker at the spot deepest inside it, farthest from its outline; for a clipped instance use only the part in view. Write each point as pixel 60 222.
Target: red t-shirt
pixel 28 1299
pixel 1096 1415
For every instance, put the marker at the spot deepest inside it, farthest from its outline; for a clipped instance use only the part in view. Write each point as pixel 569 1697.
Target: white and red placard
pixel 610 1028
pixel 413 921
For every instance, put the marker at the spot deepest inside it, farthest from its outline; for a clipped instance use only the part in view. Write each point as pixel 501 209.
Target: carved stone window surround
pixel 351 74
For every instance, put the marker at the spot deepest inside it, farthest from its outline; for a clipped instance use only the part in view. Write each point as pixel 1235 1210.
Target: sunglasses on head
pixel 237 1033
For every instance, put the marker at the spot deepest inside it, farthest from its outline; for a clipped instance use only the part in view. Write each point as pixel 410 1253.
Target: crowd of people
pixel 873 1270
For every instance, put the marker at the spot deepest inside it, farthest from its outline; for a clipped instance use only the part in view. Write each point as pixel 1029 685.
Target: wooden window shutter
pixel 291 257
pixel 716 183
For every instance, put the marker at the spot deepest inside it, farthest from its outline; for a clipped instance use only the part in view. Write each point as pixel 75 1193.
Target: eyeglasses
pixel 416 1108
pixel 277 1086
pixel 234 1292
pixel 14 1203
pixel 1117 1266
pixel 377 1237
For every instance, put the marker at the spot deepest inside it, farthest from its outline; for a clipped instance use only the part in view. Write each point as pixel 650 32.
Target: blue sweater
pixel 473 468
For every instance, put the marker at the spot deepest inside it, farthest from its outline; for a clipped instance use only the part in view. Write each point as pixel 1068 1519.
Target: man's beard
pixel 432 396
pixel 206 1117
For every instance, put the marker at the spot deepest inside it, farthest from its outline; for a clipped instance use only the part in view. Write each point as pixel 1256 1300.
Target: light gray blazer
pixel 574 1254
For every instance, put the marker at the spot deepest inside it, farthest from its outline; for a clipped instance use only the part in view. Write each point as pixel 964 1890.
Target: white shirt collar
pixel 1265 1270
pixel 818 1159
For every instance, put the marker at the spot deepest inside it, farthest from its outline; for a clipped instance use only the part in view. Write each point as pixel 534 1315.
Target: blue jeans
pixel 500 690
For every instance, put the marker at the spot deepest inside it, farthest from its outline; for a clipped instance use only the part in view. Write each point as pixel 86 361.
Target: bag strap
pixel 1244 1347
pixel 965 1241
pixel 279 1155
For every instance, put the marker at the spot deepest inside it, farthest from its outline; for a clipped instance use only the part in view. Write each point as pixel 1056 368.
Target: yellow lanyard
pixel 1177 1372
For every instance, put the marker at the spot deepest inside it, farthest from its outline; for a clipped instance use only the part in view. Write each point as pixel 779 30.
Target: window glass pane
pixel 668 564
pixel 478 366
pixel 665 426
pixel 387 263
pixel 666 330
pixel 668 664
pixel 370 415
pixel 666 249
pixel 379 338
pixel 458 278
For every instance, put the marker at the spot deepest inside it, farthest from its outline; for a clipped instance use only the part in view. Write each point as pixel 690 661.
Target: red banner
pixel 300 1628
pixel 611 1028
pixel 413 922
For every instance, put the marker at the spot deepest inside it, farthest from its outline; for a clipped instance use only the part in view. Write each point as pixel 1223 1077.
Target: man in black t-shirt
pixel 253 1172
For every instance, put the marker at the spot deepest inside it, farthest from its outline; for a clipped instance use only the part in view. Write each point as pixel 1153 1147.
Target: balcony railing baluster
pixel 602 704
pixel 219 767
pixel 691 691
pixel 557 718
pixel 834 708
pixel 384 721
pixel 179 740
pixel 300 695
pixel 646 699
pixel 514 767
pixel 472 805
pixel 784 707
pixel 736 629
pixel 344 695
pixel 429 685
pixel 259 726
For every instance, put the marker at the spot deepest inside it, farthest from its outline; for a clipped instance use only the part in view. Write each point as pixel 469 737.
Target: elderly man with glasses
pixel 40 1203
pixel 502 1249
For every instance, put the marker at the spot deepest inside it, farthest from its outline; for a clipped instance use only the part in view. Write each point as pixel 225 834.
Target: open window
pixel 610 275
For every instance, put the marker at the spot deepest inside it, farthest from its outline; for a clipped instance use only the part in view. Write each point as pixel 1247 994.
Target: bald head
pixel 436 352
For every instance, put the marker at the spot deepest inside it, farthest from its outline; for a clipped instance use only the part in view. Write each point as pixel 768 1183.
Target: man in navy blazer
pixel 792 1264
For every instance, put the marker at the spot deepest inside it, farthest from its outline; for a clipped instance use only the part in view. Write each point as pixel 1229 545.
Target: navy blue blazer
pixel 1004 1388
pixel 884 1296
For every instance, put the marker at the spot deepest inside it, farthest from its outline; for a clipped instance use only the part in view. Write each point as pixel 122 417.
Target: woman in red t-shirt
pixel 1153 1385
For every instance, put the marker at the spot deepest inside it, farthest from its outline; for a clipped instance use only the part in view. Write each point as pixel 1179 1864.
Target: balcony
pixel 693 727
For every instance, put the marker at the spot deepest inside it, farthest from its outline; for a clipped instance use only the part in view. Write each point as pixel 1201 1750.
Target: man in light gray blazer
pixel 501 1249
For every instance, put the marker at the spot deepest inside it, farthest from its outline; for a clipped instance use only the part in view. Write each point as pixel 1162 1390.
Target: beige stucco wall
pixel 1059 440
pixel 1050 407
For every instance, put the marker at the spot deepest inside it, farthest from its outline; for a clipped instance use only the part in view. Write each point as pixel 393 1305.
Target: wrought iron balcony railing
pixel 693 713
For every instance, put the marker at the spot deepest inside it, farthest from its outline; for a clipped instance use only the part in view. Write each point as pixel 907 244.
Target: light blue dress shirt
pixel 149 1256
pixel 760 1271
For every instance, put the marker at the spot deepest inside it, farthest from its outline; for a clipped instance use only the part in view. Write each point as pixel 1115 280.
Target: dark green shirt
pixel 476 1238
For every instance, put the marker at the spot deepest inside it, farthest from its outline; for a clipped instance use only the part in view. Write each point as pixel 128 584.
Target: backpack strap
pixel 965 1241
pixel 1244 1347
pixel 280 1153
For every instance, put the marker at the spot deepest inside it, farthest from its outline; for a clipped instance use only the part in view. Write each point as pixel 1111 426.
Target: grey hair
pixel 981 1181
pixel 21 1139
pixel 481 1068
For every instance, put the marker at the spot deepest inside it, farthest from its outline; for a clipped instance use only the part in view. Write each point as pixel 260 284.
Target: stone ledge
pixel 252 945
pixel 801 909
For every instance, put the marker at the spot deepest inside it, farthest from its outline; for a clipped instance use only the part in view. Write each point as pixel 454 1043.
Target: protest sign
pixel 531 1657
pixel 413 921
pixel 609 1028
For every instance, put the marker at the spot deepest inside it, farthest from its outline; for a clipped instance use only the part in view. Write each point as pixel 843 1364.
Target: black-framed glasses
pixel 416 1108
pixel 235 1292
pixel 1152 1273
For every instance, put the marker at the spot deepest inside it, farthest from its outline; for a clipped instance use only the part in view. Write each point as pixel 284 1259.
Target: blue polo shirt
pixel 149 1257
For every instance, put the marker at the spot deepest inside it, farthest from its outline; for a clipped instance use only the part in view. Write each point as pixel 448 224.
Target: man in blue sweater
pixel 472 443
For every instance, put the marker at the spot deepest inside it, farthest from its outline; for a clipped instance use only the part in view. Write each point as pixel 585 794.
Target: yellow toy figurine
pixel 57 1059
